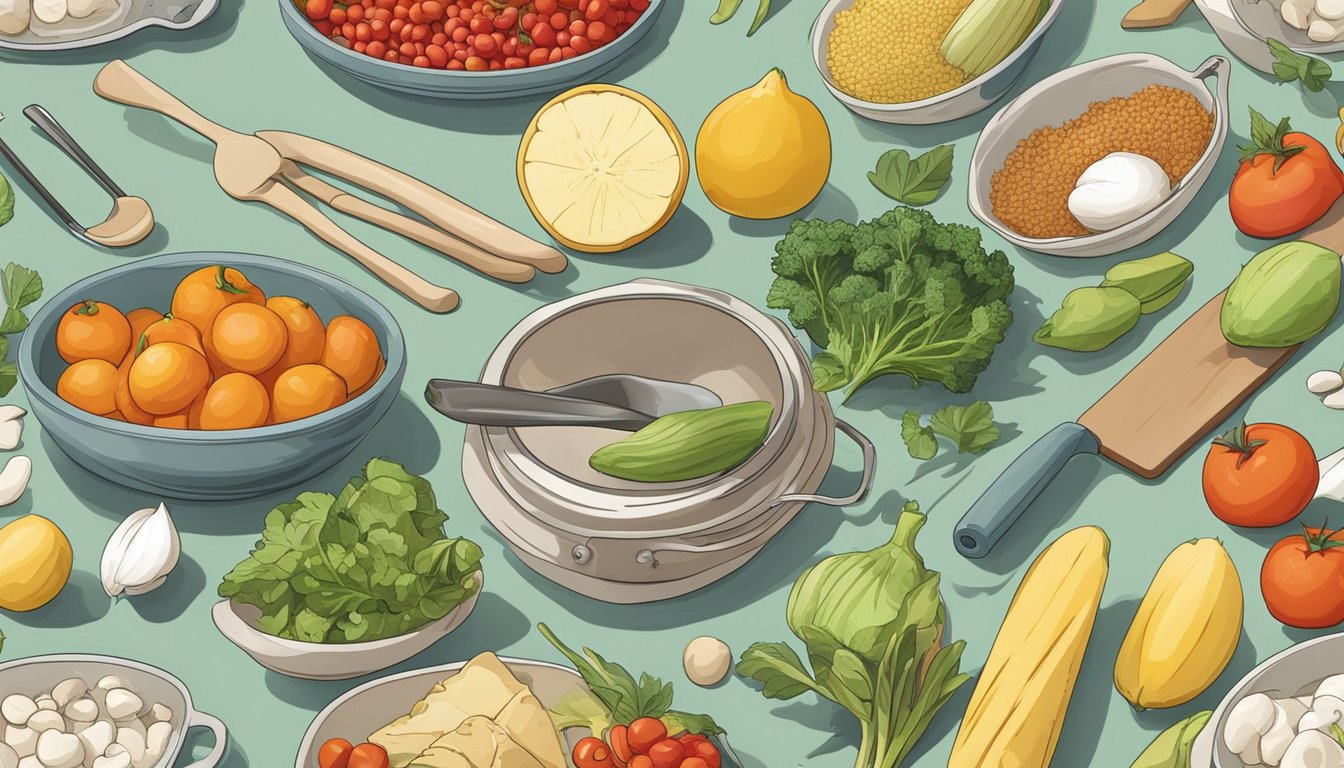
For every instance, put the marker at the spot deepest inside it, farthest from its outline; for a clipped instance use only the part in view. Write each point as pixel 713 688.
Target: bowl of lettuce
pixel 343 585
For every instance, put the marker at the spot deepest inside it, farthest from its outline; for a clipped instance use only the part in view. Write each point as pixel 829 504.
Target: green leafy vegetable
pixel 6 201
pixel 971 427
pixel 872 623
pixel 913 182
pixel 619 696
pixel 21 286
pixel 1289 66
pixel 919 440
pixel 368 564
pixel 728 8
pixel 901 294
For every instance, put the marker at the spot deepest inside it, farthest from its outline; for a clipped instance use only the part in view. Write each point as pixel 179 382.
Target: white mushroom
pixel 120 760
pixel 1320 30
pixel 60 750
pixel 1330 9
pixel 16 709
pixel 15 16
pixel 23 740
pixel 1325 712
pixel 157 740
pixel 97 738
pixel 707 661
pixel 1296 13
pixel 46 702
pixel 79 9
pixel 158 713
pixel 81 710
pixel 1331 686
pixel 50 11
pixel 1273 745
pixel 8 757
pixel 46 720
pixel 30 761
pixel 67 691
pixel 121 704
pixel 1249 720
pixel 133 741
pixel 1313 749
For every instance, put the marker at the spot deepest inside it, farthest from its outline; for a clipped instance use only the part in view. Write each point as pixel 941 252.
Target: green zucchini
pixel 687 445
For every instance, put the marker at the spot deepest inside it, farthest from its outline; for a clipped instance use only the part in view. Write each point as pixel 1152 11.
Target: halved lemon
pixel 602 168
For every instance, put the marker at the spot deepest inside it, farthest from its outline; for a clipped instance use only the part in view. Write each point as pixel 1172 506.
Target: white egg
pixel 1118 189
pixel 15 16
pixel 50 11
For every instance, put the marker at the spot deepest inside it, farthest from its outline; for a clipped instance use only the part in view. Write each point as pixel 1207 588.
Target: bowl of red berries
pixel 471 49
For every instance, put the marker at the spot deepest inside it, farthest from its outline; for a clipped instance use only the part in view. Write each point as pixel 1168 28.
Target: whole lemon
pixel 35 562
pixel 764 152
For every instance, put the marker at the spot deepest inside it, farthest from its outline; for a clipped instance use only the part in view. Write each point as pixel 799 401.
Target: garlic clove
pixel 46 702
pixel 8 757
pixel 45 720
pixel 157 740
pixel 1334 400
pixel 67 691
pixel 141 553
pixel 122 704
pixel 14 479
pixel 11 426
pixel 17 708
pixel 134 743
pixel 98 737
pixel 23 740
pixel 60 750
pixel 1324 382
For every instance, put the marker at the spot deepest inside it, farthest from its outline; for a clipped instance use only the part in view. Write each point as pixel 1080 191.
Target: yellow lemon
pixel 602 168
pixel 764 152
pixel 35 562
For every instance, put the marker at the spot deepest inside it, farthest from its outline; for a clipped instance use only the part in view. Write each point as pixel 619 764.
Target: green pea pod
pixel 1090 319
pixel 1155 281
pixel 725 12
pixel 1171 749
pixel 762 11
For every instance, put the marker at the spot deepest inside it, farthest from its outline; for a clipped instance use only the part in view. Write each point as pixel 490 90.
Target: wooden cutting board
pixel 1191 382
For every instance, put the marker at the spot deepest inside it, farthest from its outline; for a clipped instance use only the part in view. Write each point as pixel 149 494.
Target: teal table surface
pixel 242 69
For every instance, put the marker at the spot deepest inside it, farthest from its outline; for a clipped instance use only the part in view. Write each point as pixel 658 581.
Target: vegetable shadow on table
pixel 500 117
pixel 184 584
pixel 81 602
pixel 405 435
pixel 209 33
pixel 774 567
pixel 494 624
pixel 828 205
pixel 683 241
pixel 1059 50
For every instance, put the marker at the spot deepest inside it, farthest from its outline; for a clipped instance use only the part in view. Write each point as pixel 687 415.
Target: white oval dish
pixel 959 102
pixel 331 661
pixel 130 17
pixel 1066 95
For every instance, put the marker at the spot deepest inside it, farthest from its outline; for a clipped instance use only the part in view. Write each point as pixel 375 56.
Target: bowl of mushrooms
pixel 69 711
pixel 1307 26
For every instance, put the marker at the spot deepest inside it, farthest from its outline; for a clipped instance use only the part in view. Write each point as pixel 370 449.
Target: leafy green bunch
pixel 370 563
pixel 21 286
pixel 900 294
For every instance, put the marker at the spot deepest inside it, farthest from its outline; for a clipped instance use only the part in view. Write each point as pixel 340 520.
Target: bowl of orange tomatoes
pixel 471 49
pixel 210 376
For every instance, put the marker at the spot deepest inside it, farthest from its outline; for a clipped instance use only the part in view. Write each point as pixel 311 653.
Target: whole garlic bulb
pixel 141 553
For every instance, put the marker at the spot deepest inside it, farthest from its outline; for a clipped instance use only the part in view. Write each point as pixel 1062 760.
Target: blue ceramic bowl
pixel 203 465
pixel 449 84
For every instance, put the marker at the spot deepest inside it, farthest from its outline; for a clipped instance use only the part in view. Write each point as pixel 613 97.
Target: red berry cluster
pixel 476 35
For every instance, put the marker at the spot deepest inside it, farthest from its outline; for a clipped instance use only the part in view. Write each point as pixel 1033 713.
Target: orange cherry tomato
pixel 619 740
pixel 335 753
pixel 592 753
pixel 368 756
pixel 694 762
pixel 667 753
pixel 644 732
pixel 705 750
pixel 641 761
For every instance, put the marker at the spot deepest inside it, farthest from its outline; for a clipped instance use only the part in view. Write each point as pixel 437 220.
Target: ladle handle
pixel 40 189
pixel 120 83
pixel 54 131
pixel 494 406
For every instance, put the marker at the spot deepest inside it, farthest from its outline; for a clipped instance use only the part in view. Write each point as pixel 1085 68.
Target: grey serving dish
pixel 1066 95
pixel 363 710
pixel 142 14
pixel 968 99
pixel 449 84
pixel 38 674
pixel 196 464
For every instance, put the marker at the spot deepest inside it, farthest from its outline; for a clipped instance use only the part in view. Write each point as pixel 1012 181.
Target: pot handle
pixel 865 481
pixel 202 720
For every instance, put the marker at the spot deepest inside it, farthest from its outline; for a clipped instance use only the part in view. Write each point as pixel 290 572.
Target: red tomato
pixel 335 753
pixel 704 750
pixel 1289 182
pixel 1260 475
pixel 592 753
pixel 667 753
pixel 641 761
pixel 694 762
pixel 1302 579
pixel 368 756
pixel 620 745
pixel 645 732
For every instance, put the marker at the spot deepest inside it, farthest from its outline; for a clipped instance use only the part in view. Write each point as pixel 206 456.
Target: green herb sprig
pixel 971 428
pixel 6 201
pixel 914 182
pixel 1291 66
pixel 21 286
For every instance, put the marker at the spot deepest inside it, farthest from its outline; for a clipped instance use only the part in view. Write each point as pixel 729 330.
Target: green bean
pixel 761 12
pixel 725 12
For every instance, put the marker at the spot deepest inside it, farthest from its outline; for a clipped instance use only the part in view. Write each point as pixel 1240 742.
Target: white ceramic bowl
pixel 1261 19
pixel 331 661
pixel 1291 672
pixel 959 102
pixel 38 674
pixel 1066 95
pixel 362 711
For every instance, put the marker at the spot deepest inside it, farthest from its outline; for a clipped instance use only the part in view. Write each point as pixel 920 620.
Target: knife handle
pixel 1009 496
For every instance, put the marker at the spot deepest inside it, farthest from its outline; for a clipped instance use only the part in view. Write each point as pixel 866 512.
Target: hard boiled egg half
pixel 1118 189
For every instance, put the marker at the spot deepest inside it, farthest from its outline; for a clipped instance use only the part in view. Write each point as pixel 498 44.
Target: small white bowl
pixel 331 661
pixel 1262 20
pixel 1066 95
pixel 957 103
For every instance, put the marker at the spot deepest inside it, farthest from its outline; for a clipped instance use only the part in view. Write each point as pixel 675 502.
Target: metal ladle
pixel 131 219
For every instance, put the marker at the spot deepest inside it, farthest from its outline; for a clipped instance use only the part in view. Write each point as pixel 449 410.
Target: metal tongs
pixel 265 168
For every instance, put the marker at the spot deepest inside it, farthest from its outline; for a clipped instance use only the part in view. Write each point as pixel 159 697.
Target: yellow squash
pixel 35 562
pixel 1017 711
pixel 1186 628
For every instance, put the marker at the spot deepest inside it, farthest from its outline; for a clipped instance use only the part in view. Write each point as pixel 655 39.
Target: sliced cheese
pixel 529 724
pixel 478 743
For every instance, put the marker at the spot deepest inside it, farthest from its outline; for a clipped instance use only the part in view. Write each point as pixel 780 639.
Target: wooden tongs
pixel 265 168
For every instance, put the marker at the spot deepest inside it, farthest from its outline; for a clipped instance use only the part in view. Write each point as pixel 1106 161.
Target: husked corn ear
pixel 1018 708
pixel 1185 630
pixel 988 31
